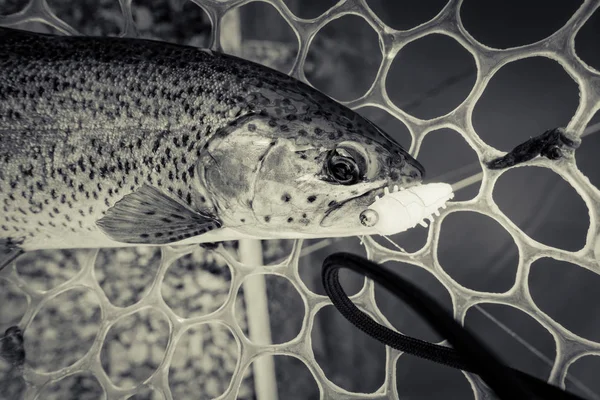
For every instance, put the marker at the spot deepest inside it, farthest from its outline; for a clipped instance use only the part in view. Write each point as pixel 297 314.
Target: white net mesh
pixel 190 339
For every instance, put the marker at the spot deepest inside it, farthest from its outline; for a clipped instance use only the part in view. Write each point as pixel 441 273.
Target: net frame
pixel 569 347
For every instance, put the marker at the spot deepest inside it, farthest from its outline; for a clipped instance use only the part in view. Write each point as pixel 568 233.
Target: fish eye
pixel 344 167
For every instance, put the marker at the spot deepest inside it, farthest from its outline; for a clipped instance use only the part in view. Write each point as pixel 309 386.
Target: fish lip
pixel 414 162
pixel 337 206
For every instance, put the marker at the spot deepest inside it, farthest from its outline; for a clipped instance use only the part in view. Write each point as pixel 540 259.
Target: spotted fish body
pixel 109 142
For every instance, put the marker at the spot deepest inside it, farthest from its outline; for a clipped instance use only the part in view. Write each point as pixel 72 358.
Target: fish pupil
pixel 343 170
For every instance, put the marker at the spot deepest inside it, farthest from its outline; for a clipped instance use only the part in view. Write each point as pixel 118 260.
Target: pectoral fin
pixel 149 216
pixel 9 252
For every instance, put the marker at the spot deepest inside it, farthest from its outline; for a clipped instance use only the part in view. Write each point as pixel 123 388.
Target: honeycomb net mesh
pixel 87 286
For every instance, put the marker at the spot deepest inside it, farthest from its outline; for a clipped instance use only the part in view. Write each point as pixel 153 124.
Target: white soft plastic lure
pixel 401 209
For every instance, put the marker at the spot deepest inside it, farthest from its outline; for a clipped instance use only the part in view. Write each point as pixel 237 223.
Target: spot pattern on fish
pixel 86 121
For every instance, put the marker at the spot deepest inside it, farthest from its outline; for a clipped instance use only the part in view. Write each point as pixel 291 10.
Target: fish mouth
pixel 365 199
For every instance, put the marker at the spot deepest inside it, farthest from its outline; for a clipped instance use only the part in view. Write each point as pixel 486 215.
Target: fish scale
pixel 129 94
pixel 93 128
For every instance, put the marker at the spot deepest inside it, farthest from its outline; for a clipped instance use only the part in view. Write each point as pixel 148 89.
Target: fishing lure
pixel 401 209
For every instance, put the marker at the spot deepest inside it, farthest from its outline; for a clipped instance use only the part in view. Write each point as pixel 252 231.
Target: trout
pixel 112 142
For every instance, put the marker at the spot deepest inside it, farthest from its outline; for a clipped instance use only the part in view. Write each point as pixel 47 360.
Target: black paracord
pixel 467 354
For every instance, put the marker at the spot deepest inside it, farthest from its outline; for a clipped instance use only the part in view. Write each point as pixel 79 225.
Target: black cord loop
pixel 468 352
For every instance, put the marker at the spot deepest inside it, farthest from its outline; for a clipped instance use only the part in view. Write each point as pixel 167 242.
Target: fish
pixel 116 142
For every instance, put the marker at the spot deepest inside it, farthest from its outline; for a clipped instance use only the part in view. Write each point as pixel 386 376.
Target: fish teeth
pixel 395 188
pixel 386 190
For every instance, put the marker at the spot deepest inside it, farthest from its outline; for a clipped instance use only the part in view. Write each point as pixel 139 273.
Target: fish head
pixel 302 177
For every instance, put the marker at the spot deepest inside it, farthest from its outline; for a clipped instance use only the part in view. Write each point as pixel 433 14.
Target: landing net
pixel 152 323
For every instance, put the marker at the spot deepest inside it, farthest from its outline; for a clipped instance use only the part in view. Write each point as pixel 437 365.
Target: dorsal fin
pixel 148 216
